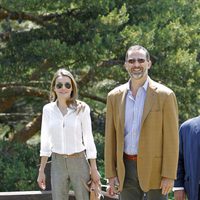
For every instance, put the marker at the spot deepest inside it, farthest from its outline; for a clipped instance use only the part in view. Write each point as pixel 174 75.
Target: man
pixel 141 141
pixel 188 174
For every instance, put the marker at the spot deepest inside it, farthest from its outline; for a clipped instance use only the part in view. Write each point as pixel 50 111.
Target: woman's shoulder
pixel 49 106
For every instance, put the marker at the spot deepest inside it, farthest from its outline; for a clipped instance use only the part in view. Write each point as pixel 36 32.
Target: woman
pixel 66 135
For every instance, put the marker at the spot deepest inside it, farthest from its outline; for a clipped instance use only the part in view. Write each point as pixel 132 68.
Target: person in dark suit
pixel 188 173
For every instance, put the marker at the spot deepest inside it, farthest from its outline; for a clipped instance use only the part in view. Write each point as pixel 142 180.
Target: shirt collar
pixel 56 105
pixel 145 85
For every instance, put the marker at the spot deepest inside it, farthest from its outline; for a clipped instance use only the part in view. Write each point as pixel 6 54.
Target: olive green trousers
pixel 131 189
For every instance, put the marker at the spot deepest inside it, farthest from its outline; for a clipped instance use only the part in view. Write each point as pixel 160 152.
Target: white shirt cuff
pixel 177 188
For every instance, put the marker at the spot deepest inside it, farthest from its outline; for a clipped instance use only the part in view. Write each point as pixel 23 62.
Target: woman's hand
pixel 41 180
pixel 113 186
pixel 95 176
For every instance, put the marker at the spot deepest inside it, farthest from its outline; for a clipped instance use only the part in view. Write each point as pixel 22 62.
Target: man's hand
pixel 113 185
pixel 166 185
pixel 80 107
pixel 179 195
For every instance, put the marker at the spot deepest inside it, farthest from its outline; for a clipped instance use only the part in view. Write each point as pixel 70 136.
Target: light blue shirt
pixel 133 115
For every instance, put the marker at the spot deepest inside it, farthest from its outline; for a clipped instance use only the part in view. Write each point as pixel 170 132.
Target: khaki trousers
pixel 66 172
pixel 131 189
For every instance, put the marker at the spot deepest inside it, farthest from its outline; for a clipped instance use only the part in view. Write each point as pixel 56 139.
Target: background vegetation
pixel 89 38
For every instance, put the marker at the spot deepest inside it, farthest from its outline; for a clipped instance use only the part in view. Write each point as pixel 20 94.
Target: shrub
pixel 18 166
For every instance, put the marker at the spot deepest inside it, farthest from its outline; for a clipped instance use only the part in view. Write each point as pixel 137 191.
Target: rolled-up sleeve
pixel 45 145
pixel 88 139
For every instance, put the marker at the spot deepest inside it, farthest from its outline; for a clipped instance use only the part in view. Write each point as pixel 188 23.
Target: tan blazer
pixel 158 142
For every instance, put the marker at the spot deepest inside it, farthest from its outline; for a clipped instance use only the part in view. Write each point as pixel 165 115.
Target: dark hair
pixel 74 93
pixel 137 47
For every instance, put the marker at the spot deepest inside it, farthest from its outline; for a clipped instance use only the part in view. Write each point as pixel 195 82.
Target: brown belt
pixel 130 157
pixel 74 155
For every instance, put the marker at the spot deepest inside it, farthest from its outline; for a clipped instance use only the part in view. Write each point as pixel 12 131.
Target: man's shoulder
pixel 191 122
pixel 160 87
pixel 118 90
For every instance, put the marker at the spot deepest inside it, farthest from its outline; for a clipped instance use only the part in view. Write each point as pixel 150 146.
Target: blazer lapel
pixel 150 99
pixel 122 102
pixel 122 96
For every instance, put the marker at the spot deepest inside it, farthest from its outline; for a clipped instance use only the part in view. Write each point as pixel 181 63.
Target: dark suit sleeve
pixel 179 182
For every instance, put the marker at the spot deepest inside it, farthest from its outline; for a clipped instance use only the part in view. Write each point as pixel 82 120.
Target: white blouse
pixel 68 134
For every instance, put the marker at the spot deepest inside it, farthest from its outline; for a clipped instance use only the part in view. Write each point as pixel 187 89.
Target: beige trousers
pixel 66 172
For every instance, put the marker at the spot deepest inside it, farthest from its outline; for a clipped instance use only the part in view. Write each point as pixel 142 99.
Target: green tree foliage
pixel 18 169
pixel 90 39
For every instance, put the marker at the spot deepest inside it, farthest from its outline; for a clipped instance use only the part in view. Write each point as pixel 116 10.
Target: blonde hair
pixel 74 93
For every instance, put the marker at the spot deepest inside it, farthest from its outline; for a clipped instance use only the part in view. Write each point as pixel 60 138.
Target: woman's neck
pixel 62 103
pixel 62 107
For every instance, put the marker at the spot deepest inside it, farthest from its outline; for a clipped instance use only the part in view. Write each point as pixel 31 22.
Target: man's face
pixel 137 64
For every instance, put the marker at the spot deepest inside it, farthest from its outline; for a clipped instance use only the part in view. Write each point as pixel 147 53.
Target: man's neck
pixel 136 84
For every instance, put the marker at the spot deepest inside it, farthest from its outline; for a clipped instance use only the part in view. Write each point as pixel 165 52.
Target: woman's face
pixel 63 87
